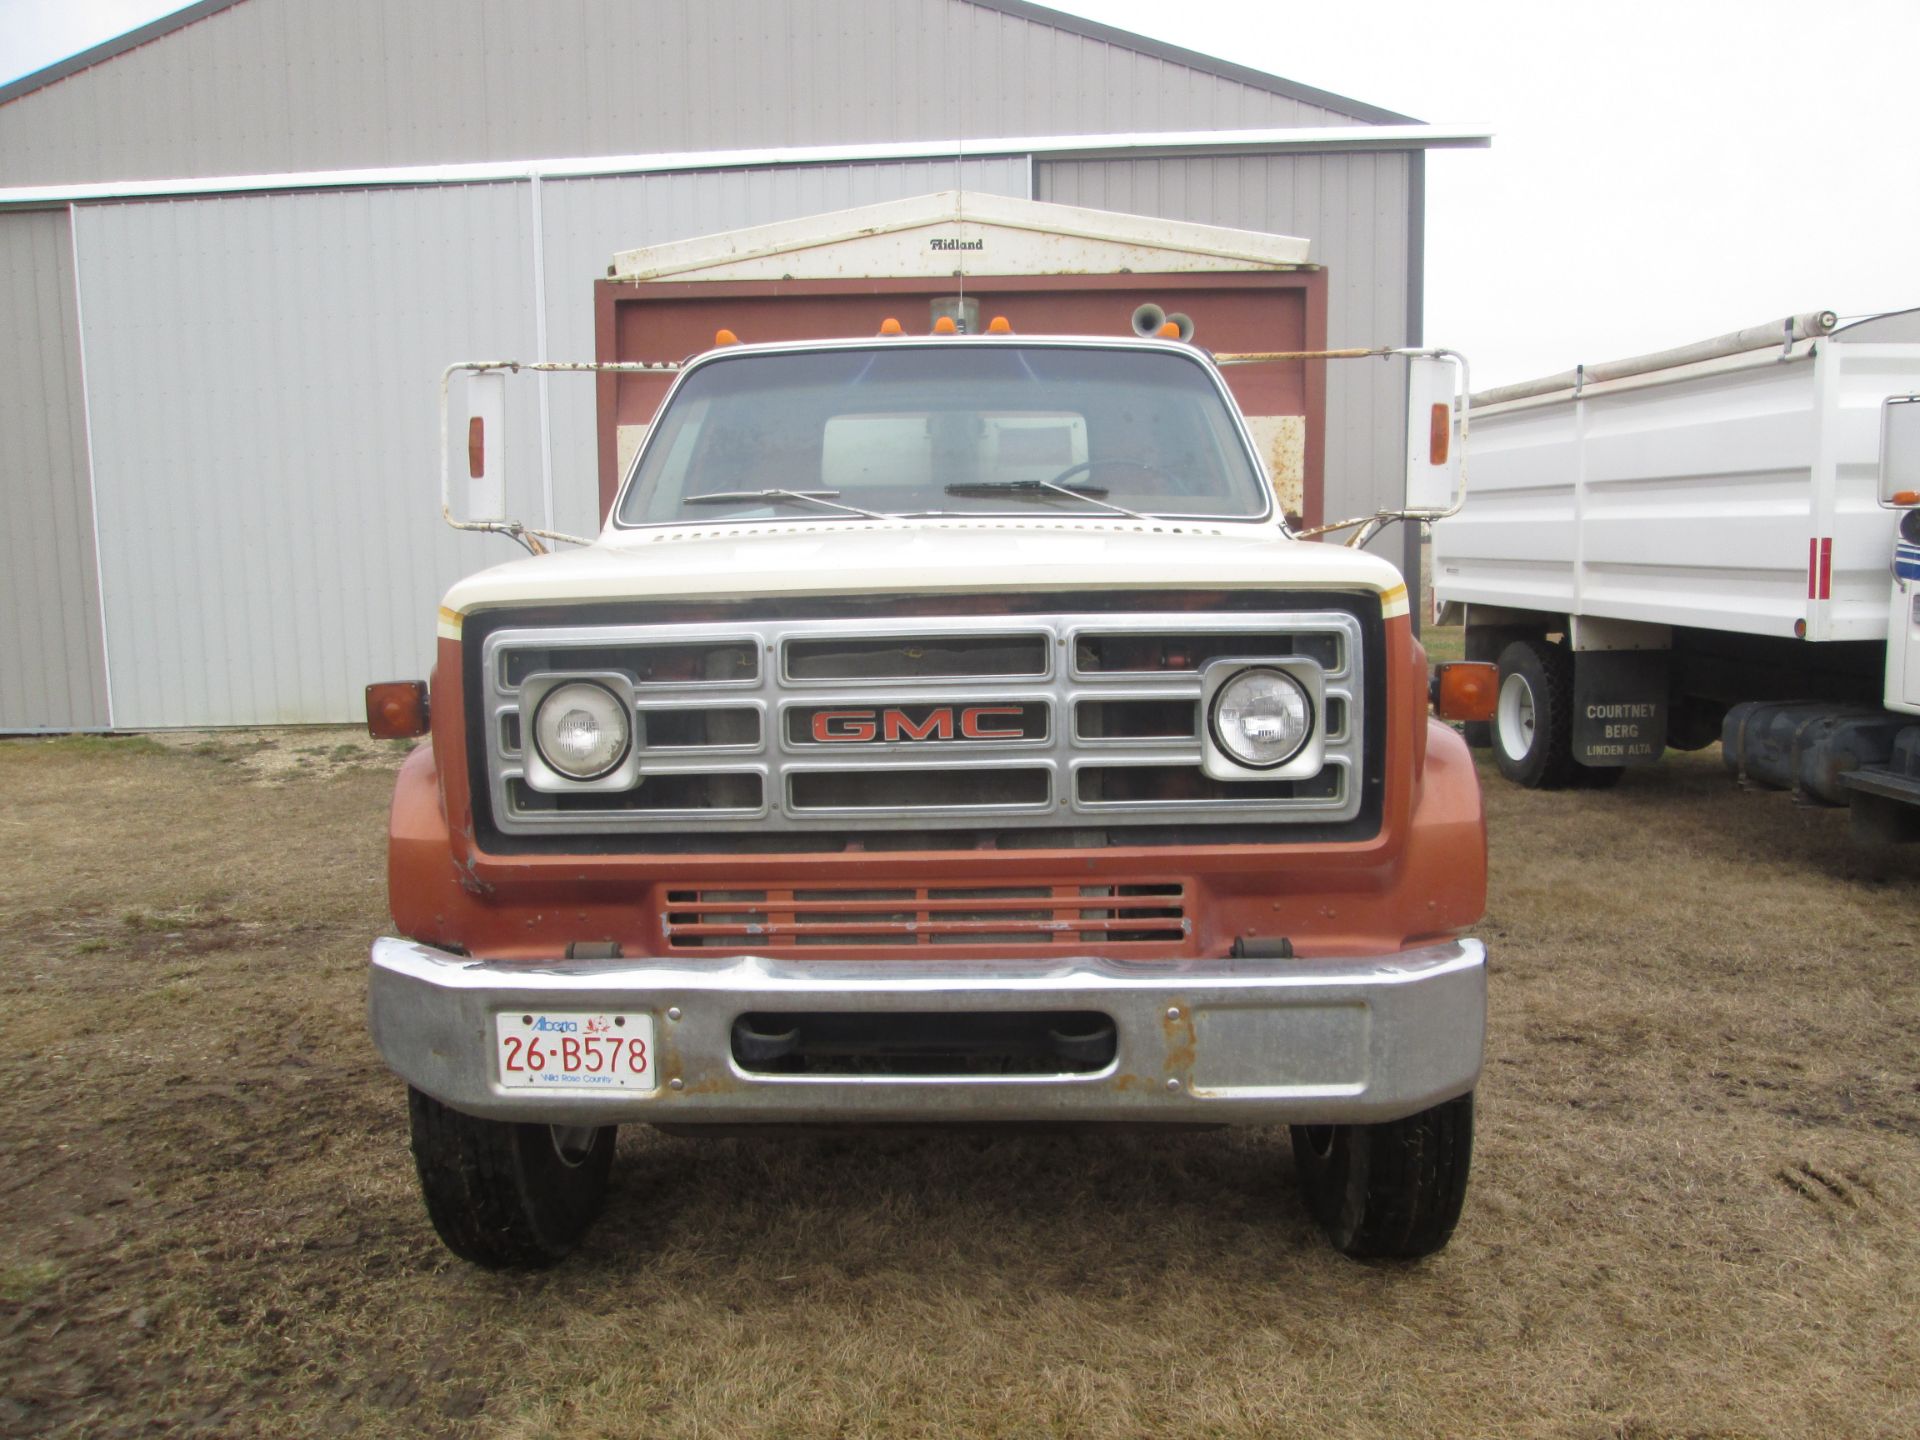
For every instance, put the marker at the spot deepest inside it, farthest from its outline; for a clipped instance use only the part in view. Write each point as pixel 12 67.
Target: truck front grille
pixel 791 728
pixel 1054 916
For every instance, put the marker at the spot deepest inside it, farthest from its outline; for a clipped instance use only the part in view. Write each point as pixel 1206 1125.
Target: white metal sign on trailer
pixel 1733 493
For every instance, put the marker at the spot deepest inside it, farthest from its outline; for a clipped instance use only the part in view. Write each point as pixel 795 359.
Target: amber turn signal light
pixel 397 709
pixel 1465 690
pixel 1439 434
pixel 1906 497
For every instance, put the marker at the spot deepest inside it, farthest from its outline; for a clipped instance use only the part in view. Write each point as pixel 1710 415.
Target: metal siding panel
pixel 1353 208
pixel 286 85
pixel 52 667
pixel 588 220
pixel 263 372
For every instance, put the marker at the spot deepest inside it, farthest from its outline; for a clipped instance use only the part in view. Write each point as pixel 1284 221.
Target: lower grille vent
pixel 1176 784
pixel 939 1043
pixel 902 789
pixel 1052 916
pixel 659 793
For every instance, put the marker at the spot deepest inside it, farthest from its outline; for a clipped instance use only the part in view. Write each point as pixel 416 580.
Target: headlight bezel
pixel 540 773
pixel 1219 761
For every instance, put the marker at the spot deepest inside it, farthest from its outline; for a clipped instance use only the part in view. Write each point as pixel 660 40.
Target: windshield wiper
pixel 1041 487
pixel 825 499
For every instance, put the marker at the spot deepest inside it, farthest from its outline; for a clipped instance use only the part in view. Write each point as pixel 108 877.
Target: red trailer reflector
pixel 1820 568
pixel 397 709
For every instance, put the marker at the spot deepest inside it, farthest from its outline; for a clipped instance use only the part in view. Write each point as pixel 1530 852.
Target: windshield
pixel 956 429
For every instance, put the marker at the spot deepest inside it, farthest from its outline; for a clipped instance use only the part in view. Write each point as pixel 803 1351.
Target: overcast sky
pixel 1662 170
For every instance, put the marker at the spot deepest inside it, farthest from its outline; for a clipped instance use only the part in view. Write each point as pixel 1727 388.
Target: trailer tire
pixel 504 1195
pixel 1533 717
pixel 1388 1191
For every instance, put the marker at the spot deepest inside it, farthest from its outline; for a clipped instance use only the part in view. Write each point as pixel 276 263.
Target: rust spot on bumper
pixel 1176 1028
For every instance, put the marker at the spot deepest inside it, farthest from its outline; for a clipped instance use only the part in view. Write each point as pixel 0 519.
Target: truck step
pixel 1886 801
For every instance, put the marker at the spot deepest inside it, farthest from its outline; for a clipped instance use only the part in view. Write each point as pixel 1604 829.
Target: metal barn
pixel 240 243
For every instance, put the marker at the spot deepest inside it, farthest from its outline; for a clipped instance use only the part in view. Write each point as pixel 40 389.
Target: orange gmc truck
pixel 948 724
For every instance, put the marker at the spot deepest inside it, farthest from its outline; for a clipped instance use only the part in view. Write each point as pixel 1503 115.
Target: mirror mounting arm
pixel 1449 446
pixel 525 535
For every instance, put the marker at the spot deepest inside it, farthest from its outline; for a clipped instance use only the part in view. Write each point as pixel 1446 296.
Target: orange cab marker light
pixel 1906 497
pixel 891 326
pixel 945 326
pixel 725 337
pixel 999 326
pixel 1168 331
pixel 397 709
pixel 1465 690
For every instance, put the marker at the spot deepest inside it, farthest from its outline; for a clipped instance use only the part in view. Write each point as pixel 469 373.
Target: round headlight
pixel 1262 718
pixel 581 730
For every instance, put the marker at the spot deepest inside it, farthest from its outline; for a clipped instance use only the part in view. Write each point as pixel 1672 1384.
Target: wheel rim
pixel 1515 718
pixel 572 1143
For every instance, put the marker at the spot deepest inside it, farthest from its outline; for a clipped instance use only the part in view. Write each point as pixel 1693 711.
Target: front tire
pixel 505 1195
pixel 1533 716
pixel 1388 1191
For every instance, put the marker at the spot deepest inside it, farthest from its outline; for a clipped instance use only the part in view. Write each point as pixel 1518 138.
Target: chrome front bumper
pixel 1225 1041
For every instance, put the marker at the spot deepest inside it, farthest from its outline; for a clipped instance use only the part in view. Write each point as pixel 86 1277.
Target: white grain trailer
pixel 1720 542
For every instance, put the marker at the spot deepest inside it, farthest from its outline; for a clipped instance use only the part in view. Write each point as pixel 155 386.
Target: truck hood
pixel 865 557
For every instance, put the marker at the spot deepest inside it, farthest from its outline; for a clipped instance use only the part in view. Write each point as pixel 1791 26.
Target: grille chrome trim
pixel 773 758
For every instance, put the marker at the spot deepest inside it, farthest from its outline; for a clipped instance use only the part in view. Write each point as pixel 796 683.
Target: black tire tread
pixel 1548 669
pixel 1393 1190
pixel 487 1193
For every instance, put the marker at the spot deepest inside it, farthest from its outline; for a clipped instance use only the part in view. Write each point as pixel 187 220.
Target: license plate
pixel 574 1049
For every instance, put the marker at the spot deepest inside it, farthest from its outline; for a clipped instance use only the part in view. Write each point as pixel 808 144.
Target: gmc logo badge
pixel 938 722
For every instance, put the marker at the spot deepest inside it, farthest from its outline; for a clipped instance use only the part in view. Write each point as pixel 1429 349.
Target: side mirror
pixel 480 464
pixel 1900 450
pixel 1433 459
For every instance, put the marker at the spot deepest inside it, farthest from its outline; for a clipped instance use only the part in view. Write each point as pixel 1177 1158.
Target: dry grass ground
pixel 1693 1213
